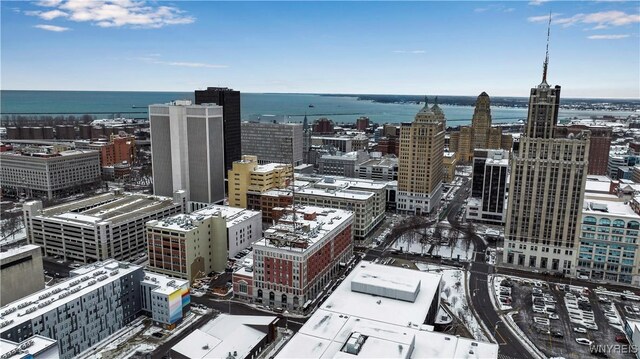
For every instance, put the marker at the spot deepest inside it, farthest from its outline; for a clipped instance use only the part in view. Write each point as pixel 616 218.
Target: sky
pixel 443 47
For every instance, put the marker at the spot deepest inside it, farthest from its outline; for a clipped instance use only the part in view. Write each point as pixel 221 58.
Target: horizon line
pixel 341 94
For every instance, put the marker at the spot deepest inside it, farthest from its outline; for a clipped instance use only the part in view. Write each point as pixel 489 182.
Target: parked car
pixel 580 330
pixel 584 341
pixel 554 316
pixel 557 333
pixel 621 338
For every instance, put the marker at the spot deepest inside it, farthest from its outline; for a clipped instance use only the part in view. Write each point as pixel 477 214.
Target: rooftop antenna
pixel 546 59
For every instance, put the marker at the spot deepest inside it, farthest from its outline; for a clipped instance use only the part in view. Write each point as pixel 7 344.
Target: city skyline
pixel 460 48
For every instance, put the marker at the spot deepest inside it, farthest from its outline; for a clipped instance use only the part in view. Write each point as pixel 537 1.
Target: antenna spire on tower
pixel 546 58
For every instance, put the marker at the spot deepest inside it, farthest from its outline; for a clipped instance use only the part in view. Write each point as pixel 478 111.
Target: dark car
pixel 557 334
pixel 621 338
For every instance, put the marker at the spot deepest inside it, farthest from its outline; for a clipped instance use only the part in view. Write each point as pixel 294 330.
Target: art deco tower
pixel 546 190
pixel 420 169
pixel 481 122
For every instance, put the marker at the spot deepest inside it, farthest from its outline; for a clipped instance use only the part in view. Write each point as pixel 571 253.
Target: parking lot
pixel 568 321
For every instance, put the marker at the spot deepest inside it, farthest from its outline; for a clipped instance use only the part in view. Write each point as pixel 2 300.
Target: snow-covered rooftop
pixel 269 167
pixel 611 208
pixel 28 347
pixel 188 222
pixel 383 327
pixel 223 335
pixel 164 285
pixel 17 250
pixel 345 193
pixel 307 232
pixel 595 186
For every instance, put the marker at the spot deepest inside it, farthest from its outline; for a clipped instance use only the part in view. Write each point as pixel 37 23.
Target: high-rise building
pixel 420 168
pixel 547 186
pixel 480 135
pixel 230 102
pixel 323 126
pixel 362 123
pixel 273 142
pixel 598 148
pixel 489 187
pixel 187 146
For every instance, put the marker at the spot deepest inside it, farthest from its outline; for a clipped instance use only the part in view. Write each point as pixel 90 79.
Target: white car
pixel 580 330
pixel 538 309
pixel 554 316
pixel 590 326
pixel 584 341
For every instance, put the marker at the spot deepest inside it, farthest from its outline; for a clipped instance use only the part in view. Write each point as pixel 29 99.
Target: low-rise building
pixel 164 299
pixel 21 272
pixel 342 164
pixel 609 240
pixel 299 255
pixel 449 163
pixel 94 303
pixel 35 347
pixel 378 168
pixel 238 336
pixel 382 312
pixel 248 175
pixel 49 174
pixel 192 245
pixel 110 225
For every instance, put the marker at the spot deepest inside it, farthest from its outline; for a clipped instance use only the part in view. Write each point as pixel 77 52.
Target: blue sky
pixel 448 48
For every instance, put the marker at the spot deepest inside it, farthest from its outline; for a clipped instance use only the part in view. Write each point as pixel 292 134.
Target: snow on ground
pixel 123 337
pixel 140 348
pixel 410 242
pixel 496 280
pixel 15 237
pixel 454 294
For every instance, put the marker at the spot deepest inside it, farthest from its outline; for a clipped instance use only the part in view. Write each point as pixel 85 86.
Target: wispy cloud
pixel 542 18
pixel 52 28
pixel 537 2
pixel 607 37
pixel 494 7
pixel 155 59
pixel 602 20
pixel 114 13
pixel 409 51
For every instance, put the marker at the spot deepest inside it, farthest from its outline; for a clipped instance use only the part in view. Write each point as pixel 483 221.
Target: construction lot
pixel 569 321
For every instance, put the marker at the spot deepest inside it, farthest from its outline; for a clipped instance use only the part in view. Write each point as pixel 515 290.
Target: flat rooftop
pixel 33 346
pixel 338 193
pixel 187 222
pixel 392 328
pixel 270 167
pixel 85 279
pixel 225 334
pixel 165 285
pixel 307 233
pixel 111 207
pixel 16 251
pixel 595 186
pixel 380 162
pixel 612 208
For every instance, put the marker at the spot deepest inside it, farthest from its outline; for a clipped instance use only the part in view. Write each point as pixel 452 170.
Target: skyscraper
pixel 546 189
pixel 273 142
pixel 480 135
pixel 230 102
pixel 187 150
pixel 489 187
pixel 420 169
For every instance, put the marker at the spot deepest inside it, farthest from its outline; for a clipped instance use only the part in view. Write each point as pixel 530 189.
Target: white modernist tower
pixel 187 149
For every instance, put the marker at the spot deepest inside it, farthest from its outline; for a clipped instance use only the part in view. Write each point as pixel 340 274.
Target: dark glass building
pixel 230 102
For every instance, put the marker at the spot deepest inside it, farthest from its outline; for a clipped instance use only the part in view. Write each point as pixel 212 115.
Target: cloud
pixel 602 20
pixel 542 18
pixel 52 28
pixel 114 13
pixel 154 59
pixel 537 2
pixel 495 7
pixel 607 37
pixel 409 51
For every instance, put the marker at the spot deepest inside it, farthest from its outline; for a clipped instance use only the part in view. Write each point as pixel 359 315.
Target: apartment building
pixel 110 225
pixel 300 254
pixel 94 303
pixel 43 174
pixel 192 245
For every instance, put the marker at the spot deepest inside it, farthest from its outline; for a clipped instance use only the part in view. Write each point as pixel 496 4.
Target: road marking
pixel 504 342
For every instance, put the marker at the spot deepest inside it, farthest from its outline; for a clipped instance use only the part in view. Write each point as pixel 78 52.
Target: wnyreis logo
pixel 613 349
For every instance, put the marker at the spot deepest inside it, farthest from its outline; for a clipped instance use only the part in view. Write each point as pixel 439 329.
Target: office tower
pixel 547 186
pixel 187 146
pixel 273 142
pixel 420 168
pixel 598 148
pixel 323 126
pixel 362 123
pixel 230 102
pixel 489 187
pixel 480 135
